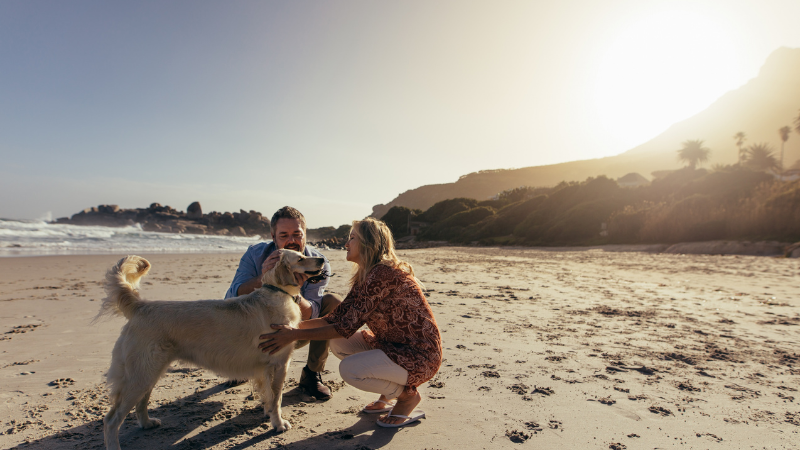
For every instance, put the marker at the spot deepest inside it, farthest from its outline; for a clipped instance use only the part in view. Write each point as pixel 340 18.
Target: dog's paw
pixel 282 425
pixel 152 423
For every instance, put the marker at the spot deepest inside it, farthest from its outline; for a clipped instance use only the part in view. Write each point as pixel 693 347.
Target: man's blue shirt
pixel 250 267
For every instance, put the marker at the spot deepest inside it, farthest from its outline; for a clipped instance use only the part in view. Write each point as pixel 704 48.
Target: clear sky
pixel 333 107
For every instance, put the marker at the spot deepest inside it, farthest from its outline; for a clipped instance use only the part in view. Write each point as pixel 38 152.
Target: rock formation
pixel 166 219
pixel 194 211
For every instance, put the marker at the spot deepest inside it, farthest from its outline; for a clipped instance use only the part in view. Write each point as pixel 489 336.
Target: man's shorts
pixel 315 307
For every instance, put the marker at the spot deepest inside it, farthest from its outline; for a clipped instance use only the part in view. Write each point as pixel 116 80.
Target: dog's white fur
pixel 220 335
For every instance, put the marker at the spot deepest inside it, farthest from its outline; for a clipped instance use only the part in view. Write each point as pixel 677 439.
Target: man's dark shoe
pixel 233 383
pixel 311 384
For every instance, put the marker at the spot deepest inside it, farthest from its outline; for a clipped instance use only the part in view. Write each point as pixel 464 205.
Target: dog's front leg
pixel 261 386
pixel 276 386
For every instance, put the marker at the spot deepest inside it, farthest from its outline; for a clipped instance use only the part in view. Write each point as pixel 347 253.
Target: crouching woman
pixel 402 347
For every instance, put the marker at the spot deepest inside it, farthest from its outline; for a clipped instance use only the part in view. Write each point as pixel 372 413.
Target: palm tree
pixel 740 138
pixel 760 157
pixel 797 123
pixel 784 134
pixel 693 153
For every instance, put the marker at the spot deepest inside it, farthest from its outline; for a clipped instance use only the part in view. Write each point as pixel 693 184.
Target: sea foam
pixel 32 237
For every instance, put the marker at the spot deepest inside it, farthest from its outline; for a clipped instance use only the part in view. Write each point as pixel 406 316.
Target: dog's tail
pixel 122 287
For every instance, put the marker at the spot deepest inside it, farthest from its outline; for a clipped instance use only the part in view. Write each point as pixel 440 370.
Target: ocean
pixel 39 238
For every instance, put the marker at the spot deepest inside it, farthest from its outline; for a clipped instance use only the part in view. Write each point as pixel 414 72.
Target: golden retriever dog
pixel 219 335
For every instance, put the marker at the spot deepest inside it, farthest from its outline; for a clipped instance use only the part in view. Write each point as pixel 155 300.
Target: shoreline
pixel 740 248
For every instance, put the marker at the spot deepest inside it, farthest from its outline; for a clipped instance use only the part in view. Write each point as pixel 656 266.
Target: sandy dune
pixel 558 348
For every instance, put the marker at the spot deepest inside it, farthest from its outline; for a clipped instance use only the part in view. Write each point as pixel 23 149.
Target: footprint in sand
pixel 19 329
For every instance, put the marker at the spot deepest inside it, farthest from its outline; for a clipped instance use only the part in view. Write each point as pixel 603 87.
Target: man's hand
pixel 270 262
pixel 277 340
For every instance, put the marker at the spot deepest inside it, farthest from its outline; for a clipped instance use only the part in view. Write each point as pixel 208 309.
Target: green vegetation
pixel 332 234
pixel 730 202
pixel 693 153
pixel 760 157
pixel 783 132
pixel 397 219
pixel 740 138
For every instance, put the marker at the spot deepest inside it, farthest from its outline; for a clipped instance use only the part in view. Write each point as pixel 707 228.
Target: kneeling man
pixel 289 231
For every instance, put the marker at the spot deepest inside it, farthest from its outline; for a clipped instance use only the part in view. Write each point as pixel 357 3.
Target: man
pixel 289 231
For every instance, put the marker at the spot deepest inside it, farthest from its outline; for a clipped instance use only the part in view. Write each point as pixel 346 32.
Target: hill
pixel 764 104
pixel 687 205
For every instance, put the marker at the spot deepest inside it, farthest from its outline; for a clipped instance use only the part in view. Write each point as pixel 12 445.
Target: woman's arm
pixel 313 323
pixel 310 330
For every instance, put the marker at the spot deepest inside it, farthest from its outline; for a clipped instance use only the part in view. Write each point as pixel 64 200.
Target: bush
pixel 397 220
pixel 454 226
pixel 683 220
pixel 581 223
pixel 343 232
pixel 625 226
pixel 572 213
pixel 503 223
pixel 725 186
pixel 447 208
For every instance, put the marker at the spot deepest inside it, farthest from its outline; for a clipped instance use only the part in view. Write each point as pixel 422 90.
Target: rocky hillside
pixel 759 108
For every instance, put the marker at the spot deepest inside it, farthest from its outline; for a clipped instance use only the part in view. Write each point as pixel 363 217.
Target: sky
pixel 333 107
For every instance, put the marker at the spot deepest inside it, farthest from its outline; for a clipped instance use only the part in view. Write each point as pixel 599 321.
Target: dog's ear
pixel 284 273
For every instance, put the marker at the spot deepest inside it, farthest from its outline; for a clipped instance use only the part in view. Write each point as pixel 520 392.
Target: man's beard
pixel 293 246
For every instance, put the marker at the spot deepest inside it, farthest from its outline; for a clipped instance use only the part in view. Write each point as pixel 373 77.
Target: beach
pixel 544 348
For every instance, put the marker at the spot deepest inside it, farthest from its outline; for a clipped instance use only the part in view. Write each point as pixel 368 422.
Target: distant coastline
pixel 165 219
pixel 39 238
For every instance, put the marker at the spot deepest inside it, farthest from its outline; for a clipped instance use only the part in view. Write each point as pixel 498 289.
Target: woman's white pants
pixel 368 369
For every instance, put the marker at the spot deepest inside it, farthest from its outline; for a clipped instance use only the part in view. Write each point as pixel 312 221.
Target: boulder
pixel 151 226
pixel 238 231
pixel 254 218
pixel 194 211
pixel 195 229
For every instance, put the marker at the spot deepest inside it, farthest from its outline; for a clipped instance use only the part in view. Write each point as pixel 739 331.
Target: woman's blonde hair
pixel 376 246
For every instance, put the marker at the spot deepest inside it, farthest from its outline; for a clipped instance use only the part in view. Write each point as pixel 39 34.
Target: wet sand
pixel 558 348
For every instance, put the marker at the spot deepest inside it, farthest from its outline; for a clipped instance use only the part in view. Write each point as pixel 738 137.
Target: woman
pixel 402 348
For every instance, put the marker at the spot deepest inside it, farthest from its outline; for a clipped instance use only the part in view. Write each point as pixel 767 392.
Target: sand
pixel 562 348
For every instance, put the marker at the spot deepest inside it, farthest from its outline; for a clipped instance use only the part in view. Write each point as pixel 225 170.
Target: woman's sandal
pixel 415 416
pixel 388 408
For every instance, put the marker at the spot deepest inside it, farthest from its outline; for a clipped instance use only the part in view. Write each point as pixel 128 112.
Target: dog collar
pixel 271 287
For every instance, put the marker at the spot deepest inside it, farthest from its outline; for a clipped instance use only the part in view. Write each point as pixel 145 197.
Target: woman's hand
pixel 276 341
pixel 300 278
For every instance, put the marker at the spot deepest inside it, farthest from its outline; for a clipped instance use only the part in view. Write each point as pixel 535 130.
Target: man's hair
pixel 287 212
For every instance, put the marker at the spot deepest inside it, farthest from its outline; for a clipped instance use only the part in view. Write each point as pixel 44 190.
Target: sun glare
pixel 661 70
